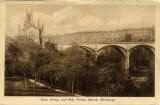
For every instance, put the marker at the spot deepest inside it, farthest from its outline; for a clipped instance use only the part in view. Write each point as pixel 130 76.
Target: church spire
pixel 28 18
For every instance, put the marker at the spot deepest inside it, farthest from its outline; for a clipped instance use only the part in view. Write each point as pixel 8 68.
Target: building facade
pixel 146 34
pixel 31 29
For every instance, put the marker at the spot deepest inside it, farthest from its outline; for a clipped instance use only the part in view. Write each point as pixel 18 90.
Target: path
pixel 16 87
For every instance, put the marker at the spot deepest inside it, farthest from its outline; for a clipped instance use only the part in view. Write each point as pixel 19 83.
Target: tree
pixel 109 70
pixel 75 60
pixel 37 59
pixel 15 55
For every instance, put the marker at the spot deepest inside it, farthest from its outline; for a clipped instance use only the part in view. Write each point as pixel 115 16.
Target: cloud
pixel 89 22
pixel 58 22
pixel 69 19
pixel 15 21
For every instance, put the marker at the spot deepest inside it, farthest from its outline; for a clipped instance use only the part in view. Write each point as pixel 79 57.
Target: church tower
pixel 32 30
pixel 28 18
pixel 41 35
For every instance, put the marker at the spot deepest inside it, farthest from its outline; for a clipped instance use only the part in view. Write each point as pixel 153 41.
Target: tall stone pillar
pixel 127 63
pixel 41 36
pixel 95 56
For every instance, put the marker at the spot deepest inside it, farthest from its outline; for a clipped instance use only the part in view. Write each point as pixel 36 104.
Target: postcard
pixel 85 53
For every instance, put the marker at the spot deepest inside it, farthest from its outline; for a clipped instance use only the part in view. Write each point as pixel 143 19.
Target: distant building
pixel 146 34
pixel 35 31
pixel 30 29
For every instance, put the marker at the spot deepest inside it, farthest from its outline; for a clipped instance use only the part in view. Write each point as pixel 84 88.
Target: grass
pixel 15 86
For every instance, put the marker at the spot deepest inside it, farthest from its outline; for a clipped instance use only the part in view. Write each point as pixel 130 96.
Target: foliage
pixel 76 70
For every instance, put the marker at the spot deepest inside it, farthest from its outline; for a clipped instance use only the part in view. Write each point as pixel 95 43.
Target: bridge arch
pixel 119 48
pixel 87 49
pixel 142 59
pixel 77 50
pixel 122 51
pixel 149 47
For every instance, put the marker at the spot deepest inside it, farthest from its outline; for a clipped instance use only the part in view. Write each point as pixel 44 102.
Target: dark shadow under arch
pixel 150 48
pixel 121 49
pixel 115 59
pixel 142 59
pixel 87 49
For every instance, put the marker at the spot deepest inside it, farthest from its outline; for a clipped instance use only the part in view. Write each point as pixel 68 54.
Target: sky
pixel 61 19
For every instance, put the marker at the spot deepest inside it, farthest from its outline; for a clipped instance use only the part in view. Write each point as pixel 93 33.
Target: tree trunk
pixel 25 79
pixel 50 80
pixel 69 83
pixel 26 84
pixel 108 90
pixel 73 84
pixel 39 78
pixel 55 80
pixel 35 83
pixel 44 77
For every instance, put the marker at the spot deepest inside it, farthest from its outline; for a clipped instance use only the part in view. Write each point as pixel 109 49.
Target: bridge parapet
pixel 125 46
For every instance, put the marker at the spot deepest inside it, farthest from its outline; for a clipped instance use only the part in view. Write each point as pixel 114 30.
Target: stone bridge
pixel 125 47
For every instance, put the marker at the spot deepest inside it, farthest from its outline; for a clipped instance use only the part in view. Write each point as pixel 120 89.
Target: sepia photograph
pixel 79 50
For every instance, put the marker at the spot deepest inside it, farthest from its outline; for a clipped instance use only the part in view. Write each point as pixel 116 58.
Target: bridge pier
pixel 127 63
pixel 95 56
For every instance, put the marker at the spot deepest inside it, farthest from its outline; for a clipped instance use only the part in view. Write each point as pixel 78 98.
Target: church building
pixel 30 29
